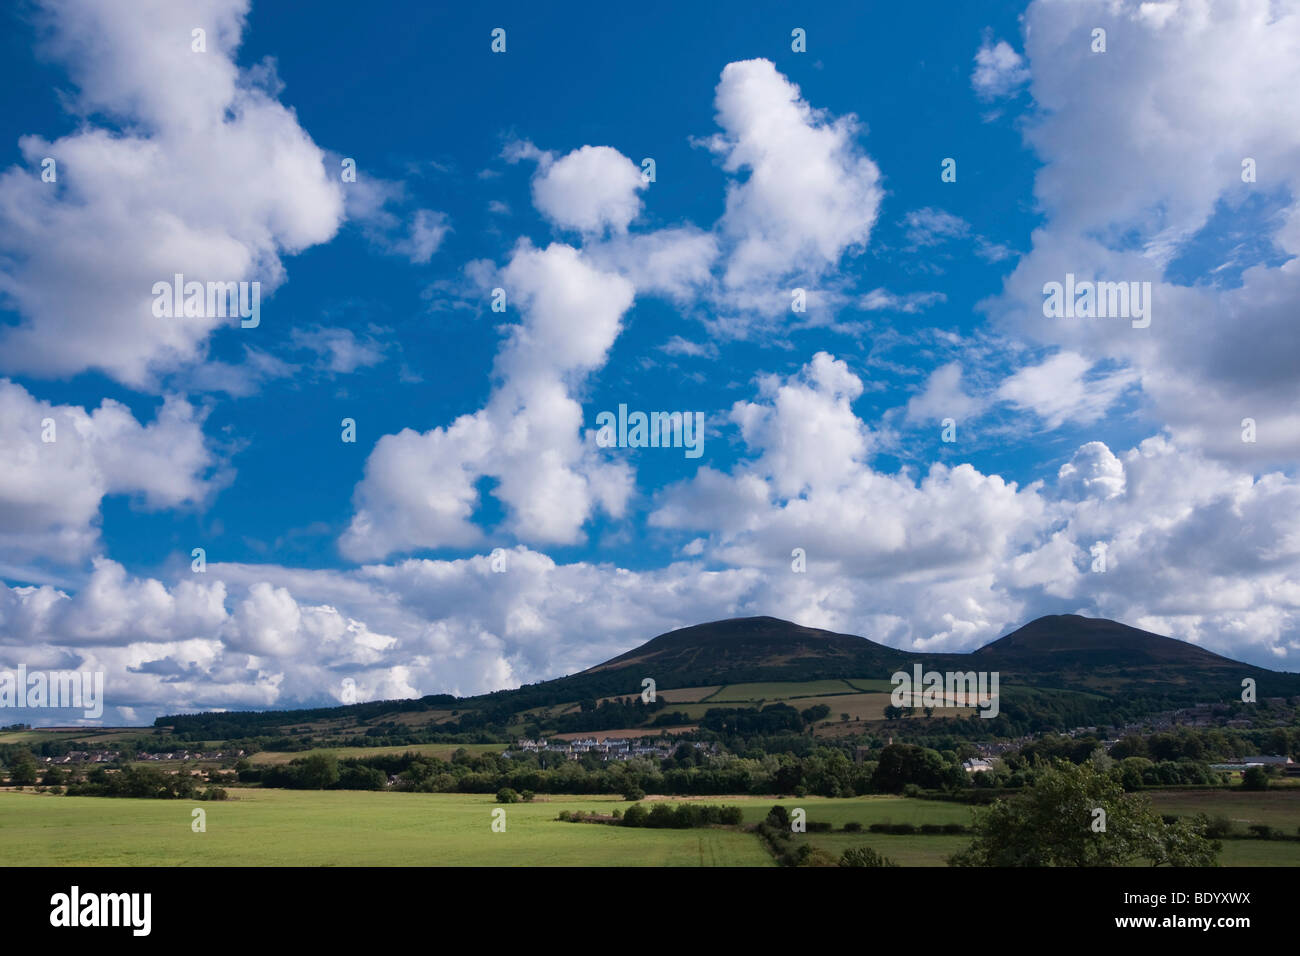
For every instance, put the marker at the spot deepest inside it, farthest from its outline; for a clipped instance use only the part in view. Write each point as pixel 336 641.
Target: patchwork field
pixel 97 736
pixel 773 691
pixel 863 699
pixel 673 695
pixel 870 684
pixel 676 695
pixel 857 706
pixel 441 751
pixel 627 732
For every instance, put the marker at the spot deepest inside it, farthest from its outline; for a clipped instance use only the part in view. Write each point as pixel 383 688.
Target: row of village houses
pixel 608 748
pixel 1195 716
pixel 1241 763
pixel 108 756
pixel 981 765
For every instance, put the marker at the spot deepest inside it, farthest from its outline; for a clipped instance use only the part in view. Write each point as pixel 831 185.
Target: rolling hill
pixel 1083 641
pixel 750 648
pixel 1063 650
pixel 1058 652
pixel 1096 654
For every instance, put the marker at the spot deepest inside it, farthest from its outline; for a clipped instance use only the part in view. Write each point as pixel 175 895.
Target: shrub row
pixel 929 829
pixel 663 816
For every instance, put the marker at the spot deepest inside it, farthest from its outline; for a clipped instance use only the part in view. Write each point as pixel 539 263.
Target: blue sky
pixel 774 170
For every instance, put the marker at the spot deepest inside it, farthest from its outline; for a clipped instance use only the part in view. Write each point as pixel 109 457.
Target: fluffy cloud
pixel 1060 389
pixel 810 193
pixel 1155 192
pixel 999 70
pixel 809 196
pixel 943 397
pixel 194 644
pixel 211 177
pixel 1094 471
pixel 801 196
pixel 676 263
pixel 50 491
pixel 420 490
pixel 955 558
pixel 264 636
pixel 808 485
pixel 591 189
pixel 1194 549
pixel 944 560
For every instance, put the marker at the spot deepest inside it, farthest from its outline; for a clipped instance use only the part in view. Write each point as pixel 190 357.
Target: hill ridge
pixel 1054 652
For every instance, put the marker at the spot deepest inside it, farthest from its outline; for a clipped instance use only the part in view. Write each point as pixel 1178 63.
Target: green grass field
pixel 857 706
pixel 873 685
pixel 340 828
pixel 1277 808
pixel 1259 853
pixel 918 850
pixel 95 736
pixel 864 810
pixel 314 828
pixel 905 850
pixel 773 691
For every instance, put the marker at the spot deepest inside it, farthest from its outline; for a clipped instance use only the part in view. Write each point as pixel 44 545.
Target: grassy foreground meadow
pixel 345 828
pixel 357 828
pixel 360 828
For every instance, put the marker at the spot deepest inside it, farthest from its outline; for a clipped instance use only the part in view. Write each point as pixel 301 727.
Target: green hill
pixel 1061 652
pixel 749 649
pixel 1095 654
